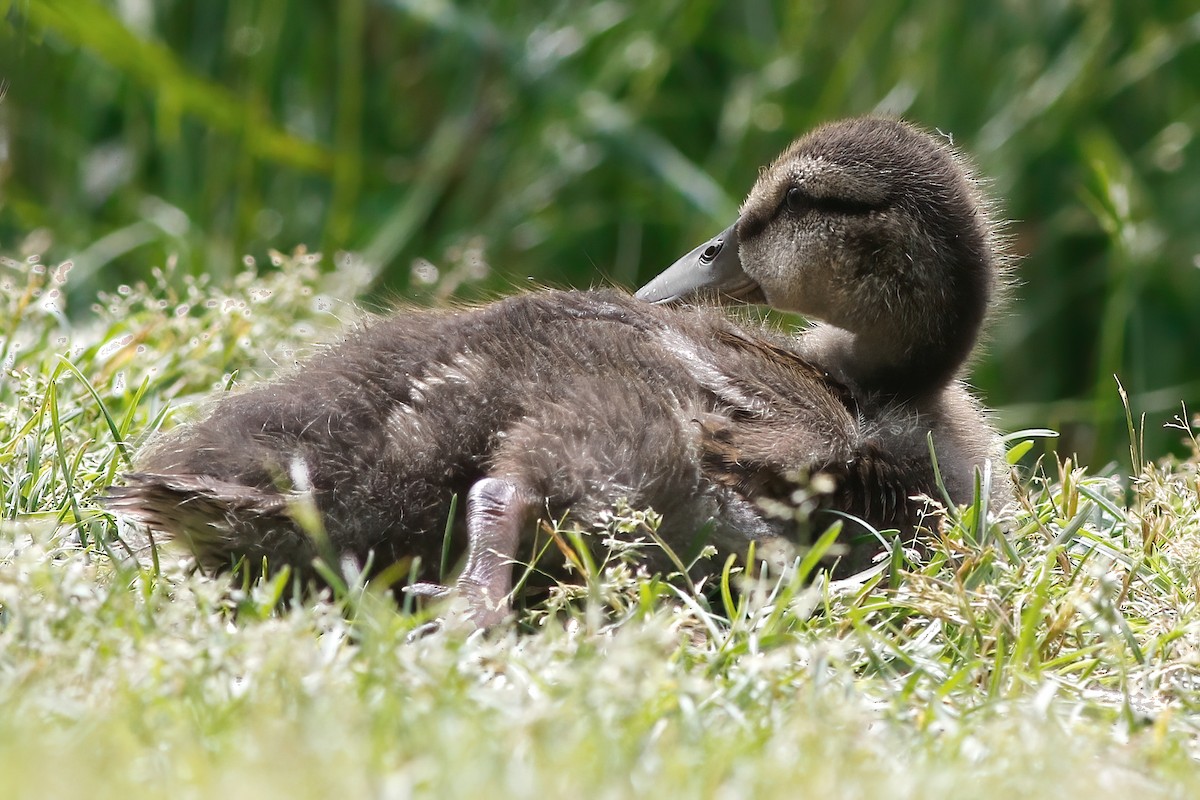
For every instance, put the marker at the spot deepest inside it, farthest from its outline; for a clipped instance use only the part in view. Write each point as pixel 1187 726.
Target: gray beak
pixel 713 269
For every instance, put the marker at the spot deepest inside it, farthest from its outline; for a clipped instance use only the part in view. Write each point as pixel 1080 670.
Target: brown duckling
pixel 555 401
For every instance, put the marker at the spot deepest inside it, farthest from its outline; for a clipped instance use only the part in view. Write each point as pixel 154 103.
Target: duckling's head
pixel 874 227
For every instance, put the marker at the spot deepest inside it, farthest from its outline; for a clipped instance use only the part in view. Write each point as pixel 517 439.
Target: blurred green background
pixel 576 143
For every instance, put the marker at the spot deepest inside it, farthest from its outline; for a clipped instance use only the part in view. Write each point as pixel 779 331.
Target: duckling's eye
pixel 797 201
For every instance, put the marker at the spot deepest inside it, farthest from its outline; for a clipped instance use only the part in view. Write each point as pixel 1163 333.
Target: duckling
pixel 558 401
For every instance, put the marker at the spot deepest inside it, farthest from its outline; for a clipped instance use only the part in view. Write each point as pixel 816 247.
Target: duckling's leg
pixel 497 511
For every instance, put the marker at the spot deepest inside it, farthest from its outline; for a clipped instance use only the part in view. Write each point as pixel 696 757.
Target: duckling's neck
pixel 918 348
pixel 887 363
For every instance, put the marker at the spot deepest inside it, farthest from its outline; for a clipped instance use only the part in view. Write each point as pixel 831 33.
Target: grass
pixel 1057 659
pixel 576 142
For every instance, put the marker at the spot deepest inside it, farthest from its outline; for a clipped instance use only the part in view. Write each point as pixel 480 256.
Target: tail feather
pixel 222 523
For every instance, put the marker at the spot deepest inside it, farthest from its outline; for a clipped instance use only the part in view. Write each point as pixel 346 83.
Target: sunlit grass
pixel 1054 654
pixel 575 142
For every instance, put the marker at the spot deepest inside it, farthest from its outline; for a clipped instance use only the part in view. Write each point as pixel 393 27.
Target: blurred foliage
pixel 576 142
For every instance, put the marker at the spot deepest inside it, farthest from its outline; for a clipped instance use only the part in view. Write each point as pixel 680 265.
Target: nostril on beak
pixel 712 251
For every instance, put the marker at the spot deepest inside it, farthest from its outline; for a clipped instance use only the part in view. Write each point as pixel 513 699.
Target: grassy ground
pixel 577 142
pixel 1060 660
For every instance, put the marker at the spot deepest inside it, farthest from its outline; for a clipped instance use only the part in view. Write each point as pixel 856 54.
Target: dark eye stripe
pixel 797 201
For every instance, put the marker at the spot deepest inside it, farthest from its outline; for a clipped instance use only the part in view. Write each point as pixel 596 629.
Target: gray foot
pixel 497 511
pixel 431 591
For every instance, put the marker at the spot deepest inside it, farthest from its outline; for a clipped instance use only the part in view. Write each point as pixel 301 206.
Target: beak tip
pixel 657 292
pixel 651 297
